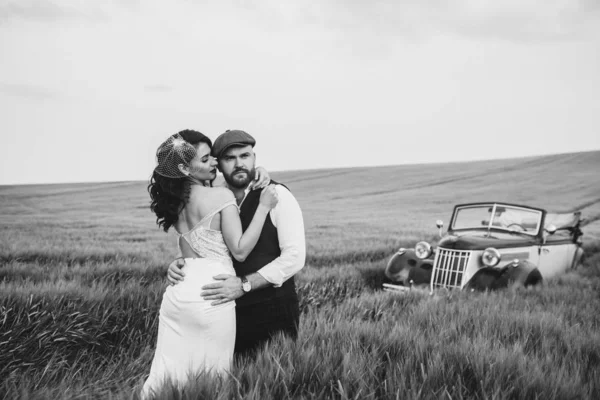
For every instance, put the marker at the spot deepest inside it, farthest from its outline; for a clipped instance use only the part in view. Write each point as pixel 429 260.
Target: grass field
pixel 82 271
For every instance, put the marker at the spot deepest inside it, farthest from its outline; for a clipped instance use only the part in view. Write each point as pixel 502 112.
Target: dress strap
pixel 210 215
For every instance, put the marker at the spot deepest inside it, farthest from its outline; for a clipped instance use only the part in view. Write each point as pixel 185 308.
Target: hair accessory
pixel 171 153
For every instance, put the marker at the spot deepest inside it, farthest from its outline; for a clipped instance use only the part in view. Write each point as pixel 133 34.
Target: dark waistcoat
pixel 265 251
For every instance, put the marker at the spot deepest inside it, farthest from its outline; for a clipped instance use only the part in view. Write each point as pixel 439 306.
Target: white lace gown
pixel 194 336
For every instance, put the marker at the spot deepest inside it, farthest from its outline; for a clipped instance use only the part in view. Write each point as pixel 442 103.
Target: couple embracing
pixel 241 244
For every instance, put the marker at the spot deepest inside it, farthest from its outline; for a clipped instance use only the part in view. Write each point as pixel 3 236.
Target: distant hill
pixel 362 206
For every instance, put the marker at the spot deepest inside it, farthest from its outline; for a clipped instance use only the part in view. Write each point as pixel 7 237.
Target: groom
pixel 264 288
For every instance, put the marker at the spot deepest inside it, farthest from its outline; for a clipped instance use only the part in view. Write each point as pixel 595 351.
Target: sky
pixel 89 89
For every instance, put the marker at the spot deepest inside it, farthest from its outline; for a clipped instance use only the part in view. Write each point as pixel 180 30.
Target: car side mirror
pixel 440 224
pixel 551 229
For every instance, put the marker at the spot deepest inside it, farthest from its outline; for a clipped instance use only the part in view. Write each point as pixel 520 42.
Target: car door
pixel 555 258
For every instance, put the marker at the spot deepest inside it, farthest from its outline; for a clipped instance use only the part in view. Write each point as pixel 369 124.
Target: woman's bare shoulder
pixel 213 197
pixel 222 193
pixel 217 196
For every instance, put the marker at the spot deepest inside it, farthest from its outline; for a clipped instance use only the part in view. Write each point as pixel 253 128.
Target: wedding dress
pixel 193 335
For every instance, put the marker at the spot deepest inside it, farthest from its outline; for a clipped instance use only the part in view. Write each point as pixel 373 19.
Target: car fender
pixel 404 266
pixel 519 273
pixel 523 273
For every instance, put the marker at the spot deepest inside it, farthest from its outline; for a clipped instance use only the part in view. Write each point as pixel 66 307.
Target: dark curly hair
pixel 169 195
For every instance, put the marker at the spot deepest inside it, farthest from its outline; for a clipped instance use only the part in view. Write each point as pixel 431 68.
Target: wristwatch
pixel 246 286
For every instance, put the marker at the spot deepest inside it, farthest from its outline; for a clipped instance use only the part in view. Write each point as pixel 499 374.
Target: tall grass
pixel 84 339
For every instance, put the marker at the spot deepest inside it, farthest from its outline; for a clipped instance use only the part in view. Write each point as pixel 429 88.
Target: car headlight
pixel 423 250
pixel 490 257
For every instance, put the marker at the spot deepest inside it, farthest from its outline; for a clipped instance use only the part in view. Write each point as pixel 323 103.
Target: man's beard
pixel 240 182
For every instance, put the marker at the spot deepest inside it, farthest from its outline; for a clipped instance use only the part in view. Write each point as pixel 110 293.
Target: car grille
pixel 449 267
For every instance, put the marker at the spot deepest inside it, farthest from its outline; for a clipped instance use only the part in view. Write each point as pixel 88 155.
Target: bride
pixel 194 336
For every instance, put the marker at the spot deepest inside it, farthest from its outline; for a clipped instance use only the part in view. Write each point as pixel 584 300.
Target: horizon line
pixel 320 169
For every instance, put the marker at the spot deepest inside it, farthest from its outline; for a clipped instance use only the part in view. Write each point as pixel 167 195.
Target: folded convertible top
pixel 562 220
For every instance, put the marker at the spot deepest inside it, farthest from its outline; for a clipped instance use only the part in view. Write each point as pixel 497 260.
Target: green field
pixel 82 271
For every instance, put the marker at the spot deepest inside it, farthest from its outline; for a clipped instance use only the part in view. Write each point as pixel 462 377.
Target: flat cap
pixel 231 138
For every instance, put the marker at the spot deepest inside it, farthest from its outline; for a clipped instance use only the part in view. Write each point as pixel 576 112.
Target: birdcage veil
pixel 174 151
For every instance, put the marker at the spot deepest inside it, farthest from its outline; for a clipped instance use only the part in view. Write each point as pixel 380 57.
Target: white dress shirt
pixel 287 218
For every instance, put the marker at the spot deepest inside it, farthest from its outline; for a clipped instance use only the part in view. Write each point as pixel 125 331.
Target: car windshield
pixel 498 216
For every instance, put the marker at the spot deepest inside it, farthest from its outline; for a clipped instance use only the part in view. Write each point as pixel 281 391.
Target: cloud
pixel 513 20
pixel 532 20
pixel 357 20
pixel 35 10
pixel 158 88
pixel 47 11
pixel 28 91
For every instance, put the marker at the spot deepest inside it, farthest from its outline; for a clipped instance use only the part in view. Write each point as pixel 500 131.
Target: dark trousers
pixel 257 323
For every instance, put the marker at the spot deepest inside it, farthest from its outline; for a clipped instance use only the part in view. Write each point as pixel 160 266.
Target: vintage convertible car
pixel 490 246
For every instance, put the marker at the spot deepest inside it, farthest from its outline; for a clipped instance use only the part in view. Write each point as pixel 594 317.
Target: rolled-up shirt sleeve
pixel 287 218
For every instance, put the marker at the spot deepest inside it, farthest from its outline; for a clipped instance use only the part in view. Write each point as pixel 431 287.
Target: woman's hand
pixel 261 179
pixel 268 198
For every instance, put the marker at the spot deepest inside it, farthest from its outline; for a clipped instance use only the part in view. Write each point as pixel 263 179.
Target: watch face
pixel 246 286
